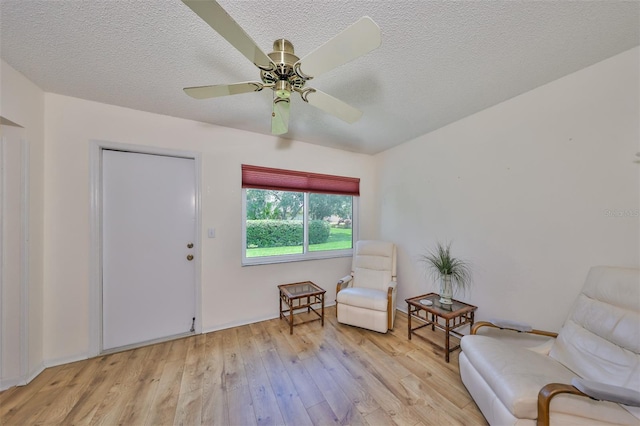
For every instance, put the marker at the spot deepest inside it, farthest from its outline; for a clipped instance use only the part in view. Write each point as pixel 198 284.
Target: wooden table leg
pixel 322 320
pixel 409 320
pixel 290 316
pixel 280 304
pixel 446 340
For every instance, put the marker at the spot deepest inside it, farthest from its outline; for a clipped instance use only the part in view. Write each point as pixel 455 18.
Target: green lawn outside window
pixel 339 238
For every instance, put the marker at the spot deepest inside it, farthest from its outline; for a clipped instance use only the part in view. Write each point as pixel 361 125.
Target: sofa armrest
pixel 586 388
pixel 606 392
pixel 391 304
pixel 391 293
pixel 547 393
pixel 342 281
pixel 513 326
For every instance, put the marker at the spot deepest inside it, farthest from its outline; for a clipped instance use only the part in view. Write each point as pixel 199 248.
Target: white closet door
pixel 148 232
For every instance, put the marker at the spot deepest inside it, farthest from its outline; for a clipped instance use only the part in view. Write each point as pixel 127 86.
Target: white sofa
pixel 367 297
pixel 597 348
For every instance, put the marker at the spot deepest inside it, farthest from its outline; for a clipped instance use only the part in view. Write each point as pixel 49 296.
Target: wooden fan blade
pixel 218 18
pixel 205 92
pixel 358 39
pixel 280 116
pixel 333 106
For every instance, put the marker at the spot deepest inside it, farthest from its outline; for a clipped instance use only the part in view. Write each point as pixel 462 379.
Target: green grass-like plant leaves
pixel 440 262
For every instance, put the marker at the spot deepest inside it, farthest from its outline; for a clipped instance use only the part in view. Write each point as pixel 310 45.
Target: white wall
pixel 12 283
pixel 524 190
pixel 231 294
pixel 22 102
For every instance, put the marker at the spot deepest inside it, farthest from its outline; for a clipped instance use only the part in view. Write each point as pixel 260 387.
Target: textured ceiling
pixel 439 60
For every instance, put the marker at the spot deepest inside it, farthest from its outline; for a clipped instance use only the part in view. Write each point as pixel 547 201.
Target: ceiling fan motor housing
pixel 284 78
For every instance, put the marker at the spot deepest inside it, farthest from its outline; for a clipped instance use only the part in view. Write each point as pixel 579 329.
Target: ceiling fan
pixel 281 70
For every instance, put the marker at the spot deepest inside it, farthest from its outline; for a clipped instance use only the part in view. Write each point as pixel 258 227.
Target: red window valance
pixel 290 180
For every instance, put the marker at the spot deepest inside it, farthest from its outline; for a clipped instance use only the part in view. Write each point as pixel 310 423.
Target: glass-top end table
pixel 453 316
pixel 442 308
pixel 293 296
pixel 296 289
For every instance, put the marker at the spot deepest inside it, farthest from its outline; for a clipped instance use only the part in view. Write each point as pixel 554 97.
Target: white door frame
pixel 24 255
pixel 95 287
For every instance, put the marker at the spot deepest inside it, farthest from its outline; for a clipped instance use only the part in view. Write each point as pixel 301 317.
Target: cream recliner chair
pixel 367 297
pixel 589 374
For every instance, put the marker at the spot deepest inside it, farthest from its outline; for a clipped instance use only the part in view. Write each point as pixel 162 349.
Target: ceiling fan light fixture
pixel 283 89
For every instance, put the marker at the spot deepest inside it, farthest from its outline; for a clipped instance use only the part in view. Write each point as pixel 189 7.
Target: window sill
pixel 267 260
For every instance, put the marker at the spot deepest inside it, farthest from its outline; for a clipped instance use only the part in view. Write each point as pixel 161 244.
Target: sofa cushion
pixel 374 264
pixel 365 318
pixel 367 298
pixel 515 374
pixel 371 278
pixel 600 340
pixel 596 358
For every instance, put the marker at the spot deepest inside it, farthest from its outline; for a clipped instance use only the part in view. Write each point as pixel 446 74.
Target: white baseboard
pixel 65 360
pixel 250 321
pixel 35 372
pixel 21 381
pixel 9 383
pixel 236 324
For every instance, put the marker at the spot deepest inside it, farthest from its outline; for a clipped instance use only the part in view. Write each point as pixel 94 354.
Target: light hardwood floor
pixel 256 375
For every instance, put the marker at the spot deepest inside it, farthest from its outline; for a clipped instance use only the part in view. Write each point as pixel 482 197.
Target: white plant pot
pixel 446 290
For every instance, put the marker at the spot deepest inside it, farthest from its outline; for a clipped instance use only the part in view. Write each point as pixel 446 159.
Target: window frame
pixel 306 254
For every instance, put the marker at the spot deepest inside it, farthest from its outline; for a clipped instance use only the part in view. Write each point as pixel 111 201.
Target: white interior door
pixel 148 234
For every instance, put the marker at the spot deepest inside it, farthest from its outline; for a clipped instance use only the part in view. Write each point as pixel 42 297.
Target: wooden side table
pixel 293 296
pixel 454 316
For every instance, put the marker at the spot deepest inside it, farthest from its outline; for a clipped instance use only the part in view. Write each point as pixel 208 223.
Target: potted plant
pixel 454 273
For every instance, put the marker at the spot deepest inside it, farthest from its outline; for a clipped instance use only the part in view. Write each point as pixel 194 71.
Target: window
pixel 291 215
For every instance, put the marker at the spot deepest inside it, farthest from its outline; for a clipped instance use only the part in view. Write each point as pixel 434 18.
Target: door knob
pixel 190 245
pixel 190 257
